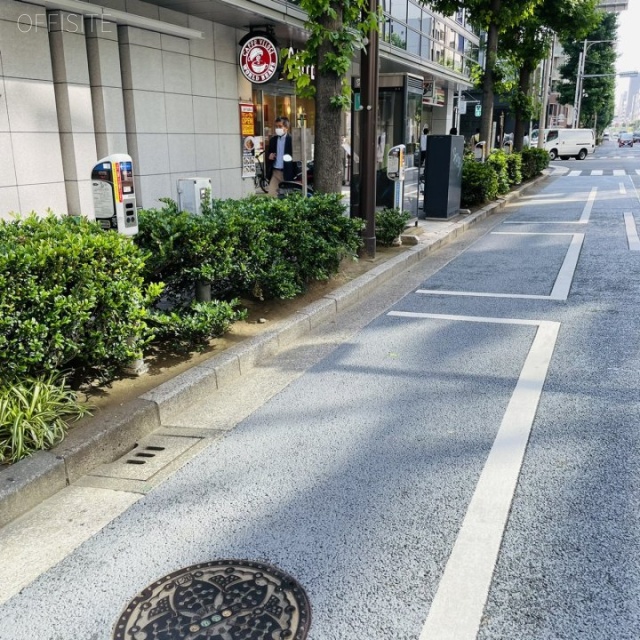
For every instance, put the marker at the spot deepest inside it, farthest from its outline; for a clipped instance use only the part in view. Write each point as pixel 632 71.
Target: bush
pixel 498 160
pixel 196 325
pixel 514 168
pixel 479 182
pixel 33 416
pixel 261 247
pixel 534 160
pixel 390 223
pixel 73 299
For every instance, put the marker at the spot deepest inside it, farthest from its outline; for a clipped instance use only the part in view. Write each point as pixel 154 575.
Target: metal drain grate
pixel 150 456
pixel 224 599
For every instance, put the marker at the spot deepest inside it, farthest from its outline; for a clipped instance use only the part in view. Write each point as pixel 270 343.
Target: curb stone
pixel 114 432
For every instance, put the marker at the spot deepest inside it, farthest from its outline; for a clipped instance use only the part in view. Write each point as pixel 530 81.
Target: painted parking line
pixel 456 610
pixel 561 286
pixel 619 172
pixel 623 191
pixel 584 216
pixel 575 173
pixel 597 172
pixel 632 231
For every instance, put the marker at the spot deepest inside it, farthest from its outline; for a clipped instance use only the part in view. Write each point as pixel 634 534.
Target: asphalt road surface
pixel 455 459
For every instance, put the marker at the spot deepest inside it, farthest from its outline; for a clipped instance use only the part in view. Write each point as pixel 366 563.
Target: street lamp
pixel 577 102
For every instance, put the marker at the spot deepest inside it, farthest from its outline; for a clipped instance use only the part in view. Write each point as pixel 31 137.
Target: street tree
pixel 337 30
pixel 529 42
pixel 598 98
pixel 494 17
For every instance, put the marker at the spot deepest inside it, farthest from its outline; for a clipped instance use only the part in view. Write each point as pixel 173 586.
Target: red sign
pixel 258 59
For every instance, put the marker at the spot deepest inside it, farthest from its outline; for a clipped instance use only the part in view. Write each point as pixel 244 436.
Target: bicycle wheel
pixel 264 184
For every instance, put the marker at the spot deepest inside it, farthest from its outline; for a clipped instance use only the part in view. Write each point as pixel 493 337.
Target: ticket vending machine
pixel 396 165
pixel 114 196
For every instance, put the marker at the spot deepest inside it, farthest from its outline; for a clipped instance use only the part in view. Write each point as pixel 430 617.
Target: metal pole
pixel 303 139
pixel 545 99
pixel 584 59
pixel 369 97
pixel 575 100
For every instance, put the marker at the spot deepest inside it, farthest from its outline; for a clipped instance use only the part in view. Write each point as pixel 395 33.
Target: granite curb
pixel 112 433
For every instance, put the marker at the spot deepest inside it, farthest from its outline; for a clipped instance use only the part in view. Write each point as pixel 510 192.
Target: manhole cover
pixel 220 600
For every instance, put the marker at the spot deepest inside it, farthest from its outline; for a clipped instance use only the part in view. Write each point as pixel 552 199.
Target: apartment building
pixel 172 84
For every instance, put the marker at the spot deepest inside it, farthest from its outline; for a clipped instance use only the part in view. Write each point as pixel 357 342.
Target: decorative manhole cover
pixel 220 600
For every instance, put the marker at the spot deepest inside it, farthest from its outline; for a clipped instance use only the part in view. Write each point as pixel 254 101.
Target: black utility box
pixel 443 176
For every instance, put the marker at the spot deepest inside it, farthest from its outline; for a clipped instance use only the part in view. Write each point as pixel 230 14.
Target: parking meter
pixel 114 196
pixel 395 172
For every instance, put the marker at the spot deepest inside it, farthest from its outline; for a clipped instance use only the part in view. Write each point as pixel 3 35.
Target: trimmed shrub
pixel 498 160
pixel 194 326
pixel 390 223
pixel 514 168
pixel 479 182
pixel 534 161
pixel 72 298
pixel 34 414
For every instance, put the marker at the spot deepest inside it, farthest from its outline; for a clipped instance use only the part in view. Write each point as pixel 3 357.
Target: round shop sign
pixel 259 59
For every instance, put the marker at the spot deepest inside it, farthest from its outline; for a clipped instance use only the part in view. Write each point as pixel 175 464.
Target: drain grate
pixel 151 454
pixel 220 600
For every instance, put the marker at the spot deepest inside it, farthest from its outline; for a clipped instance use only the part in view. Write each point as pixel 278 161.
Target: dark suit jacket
pixel 289 170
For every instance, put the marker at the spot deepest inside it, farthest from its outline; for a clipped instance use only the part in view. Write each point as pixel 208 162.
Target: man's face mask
pixel 279 131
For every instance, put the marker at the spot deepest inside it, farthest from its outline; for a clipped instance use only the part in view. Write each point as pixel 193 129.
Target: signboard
pixel 258 58
pixel 433 94
pixel 478 111
pixel 247 139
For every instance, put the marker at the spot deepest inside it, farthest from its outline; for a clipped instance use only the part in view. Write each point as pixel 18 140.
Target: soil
pixel 262 316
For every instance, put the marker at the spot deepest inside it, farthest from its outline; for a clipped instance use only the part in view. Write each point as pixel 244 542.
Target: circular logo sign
pixel 258 59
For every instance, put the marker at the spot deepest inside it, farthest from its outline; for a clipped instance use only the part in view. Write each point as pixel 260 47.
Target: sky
pixel 628 43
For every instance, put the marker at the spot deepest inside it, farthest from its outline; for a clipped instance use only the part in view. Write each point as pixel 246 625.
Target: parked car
pixel 636 136
pixel 605 135
pixel 625 140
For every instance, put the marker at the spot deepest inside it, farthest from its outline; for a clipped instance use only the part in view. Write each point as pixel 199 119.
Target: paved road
pixel 460 462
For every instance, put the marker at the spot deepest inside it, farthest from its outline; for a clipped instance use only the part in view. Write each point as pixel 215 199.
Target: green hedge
pixel 257 246
pixel 498 161
pixel 390 223
pixel 534 160
pixel 479 182
pixel 72 298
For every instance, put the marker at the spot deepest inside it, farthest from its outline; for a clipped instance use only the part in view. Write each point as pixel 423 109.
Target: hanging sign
pixel 258 57
pixel 247 139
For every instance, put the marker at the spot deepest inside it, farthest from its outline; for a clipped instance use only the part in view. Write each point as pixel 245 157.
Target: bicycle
pixel 260 179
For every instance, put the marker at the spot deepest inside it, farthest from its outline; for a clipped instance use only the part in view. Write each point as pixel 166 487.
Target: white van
pixel 567 143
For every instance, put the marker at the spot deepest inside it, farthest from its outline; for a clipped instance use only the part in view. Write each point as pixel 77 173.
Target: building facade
pixel 162 82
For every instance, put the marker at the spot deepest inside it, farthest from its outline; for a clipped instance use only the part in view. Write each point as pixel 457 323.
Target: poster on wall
pixel 247 139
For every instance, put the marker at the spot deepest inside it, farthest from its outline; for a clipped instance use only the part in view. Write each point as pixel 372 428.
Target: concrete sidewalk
pixel 113 433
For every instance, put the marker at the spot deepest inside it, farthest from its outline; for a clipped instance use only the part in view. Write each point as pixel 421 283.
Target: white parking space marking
pixel 619 172
pixel 632 231
pixel 584 216
pixel 561 286
pixel 456 610
pixel 623 191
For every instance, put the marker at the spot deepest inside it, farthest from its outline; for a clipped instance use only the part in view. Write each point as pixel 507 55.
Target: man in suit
pixel 280 145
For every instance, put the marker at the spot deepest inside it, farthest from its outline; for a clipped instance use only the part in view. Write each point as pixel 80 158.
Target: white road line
pixel 586 213
pixel 575 173
pixel 623 191
pixel 456 609
pixel 619 172
pixel 561 286
pixel 632 231
pixel 584 216
pixel 638 171
pixel 596 172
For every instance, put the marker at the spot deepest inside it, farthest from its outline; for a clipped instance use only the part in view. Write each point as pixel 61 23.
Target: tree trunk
pixel 327 168
pixel 522 117
pixel 488 81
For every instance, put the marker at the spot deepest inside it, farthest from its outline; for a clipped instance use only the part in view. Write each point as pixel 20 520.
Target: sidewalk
pixel 113 433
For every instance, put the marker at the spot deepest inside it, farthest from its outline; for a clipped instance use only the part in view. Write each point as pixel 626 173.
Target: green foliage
pixel 514 168
pixel 194 326
pixel 34 415
pixel 498 161
pixel 261 247
pixel 479 182
pixel 534 160
pixel 183 249
pixel 72 298
pixel 390 223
